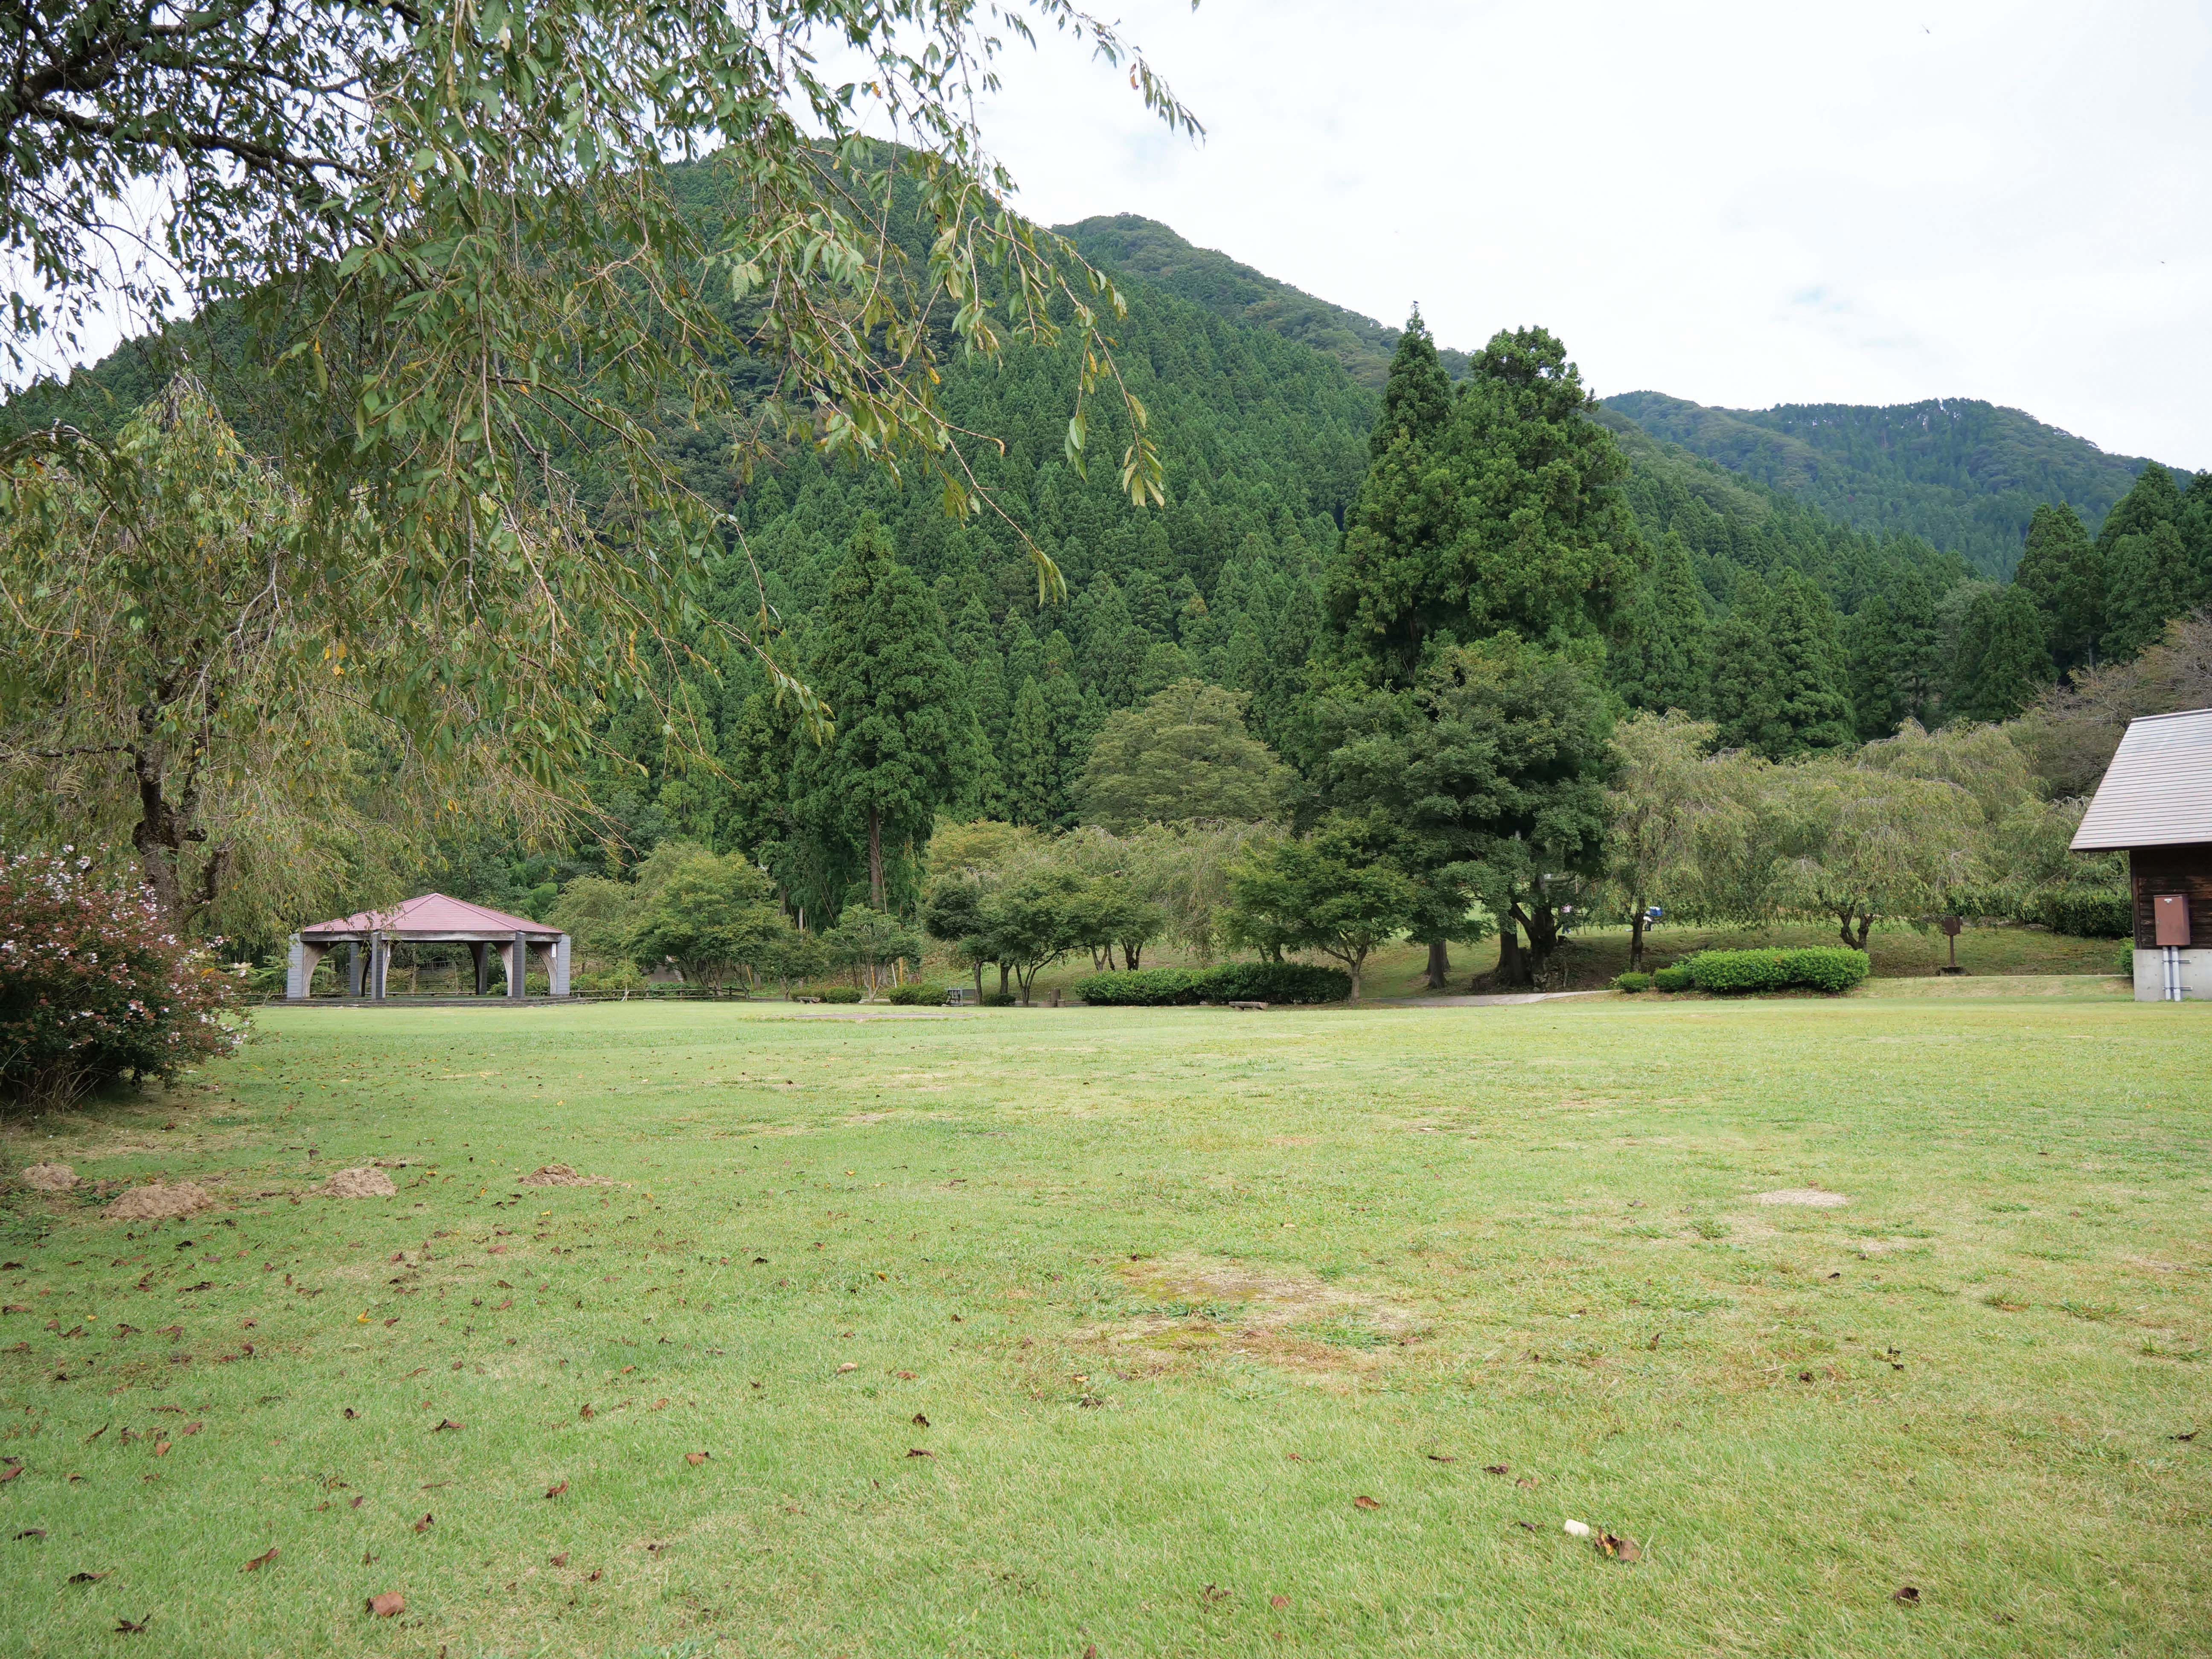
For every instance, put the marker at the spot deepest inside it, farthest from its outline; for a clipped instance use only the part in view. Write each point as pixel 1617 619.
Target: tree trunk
pixel 1440 964
pixel 1002 978
pixel 979 979
pixel 875 857
pixel 1866 926
pixel 1636 941
pixel 1843 928
pixel 1129 955
pixel 1512 966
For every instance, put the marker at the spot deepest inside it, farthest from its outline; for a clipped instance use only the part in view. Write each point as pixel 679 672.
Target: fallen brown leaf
pixel 919 1451
pixel 447 1424
pixel 1621 1549
pixel 88 1577
pixel 390 1604
pixel 919 1421
pixel 850 1366
pixel 555 1492
pixel 1527 1481
pixel 586 1413
pixel 191 1428
pixel 260 1560
pixel 1907 1595
pixel 160 1448
pixel 1526 1526
pixel 30 1531
pixel 905 1376
pixel 358 1502
pixel 11 1472
pixel 1363 1502
pixel 426 1523
pixel 124 1627
pixel 559 1560
pixel 1213 1592
pixel 1278 1600
pixel 1497 1468
pixel 592 1577
pixel 694 1459
pixel 1441 1457
pixel 1294 1457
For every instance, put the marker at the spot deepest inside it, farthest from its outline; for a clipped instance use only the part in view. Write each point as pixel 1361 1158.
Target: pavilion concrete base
pixel 2195 976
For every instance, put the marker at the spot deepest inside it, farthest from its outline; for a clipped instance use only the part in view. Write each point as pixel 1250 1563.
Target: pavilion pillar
pixel 481 953
pixel 557 979
pixel 518 968
pixel 353 967
pixel 380 963
pixel 295 969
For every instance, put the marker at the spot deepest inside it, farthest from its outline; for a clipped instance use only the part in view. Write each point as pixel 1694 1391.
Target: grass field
pixel 1218 1323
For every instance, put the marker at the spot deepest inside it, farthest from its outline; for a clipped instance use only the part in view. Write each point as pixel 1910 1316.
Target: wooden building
pixel 2156 803
pixel 517 942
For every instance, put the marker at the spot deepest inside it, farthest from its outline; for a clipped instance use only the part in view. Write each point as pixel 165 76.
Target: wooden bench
pixel 1256 1007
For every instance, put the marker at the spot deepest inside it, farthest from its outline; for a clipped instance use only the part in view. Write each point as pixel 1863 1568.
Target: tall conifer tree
pixel 2002 660
pixel 902 747
pixel 1665 659
pixel 2061 571
pixel 2149 584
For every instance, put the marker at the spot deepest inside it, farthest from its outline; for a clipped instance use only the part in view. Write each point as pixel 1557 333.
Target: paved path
pixel 1502 1001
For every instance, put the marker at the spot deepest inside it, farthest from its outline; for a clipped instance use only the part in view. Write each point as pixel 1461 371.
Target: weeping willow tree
pixel 185 673
pixel 474 301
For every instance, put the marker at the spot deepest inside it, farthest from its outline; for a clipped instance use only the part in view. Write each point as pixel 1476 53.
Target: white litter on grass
pixel 1814 1198
pixel 1576 1528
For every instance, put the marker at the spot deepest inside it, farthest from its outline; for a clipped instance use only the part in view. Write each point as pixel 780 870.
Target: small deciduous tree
pixel 1182 754
pixel 711 915
pixel 1339 890
pixel 1678 822
pixel 1866 844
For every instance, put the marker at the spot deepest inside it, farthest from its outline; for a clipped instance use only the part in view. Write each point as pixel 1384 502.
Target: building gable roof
pixel 2158 790
pixel 433 913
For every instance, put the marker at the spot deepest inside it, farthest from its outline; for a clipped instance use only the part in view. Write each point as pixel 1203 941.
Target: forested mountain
pixel 1262 401
pixel 1129 245
pixel 1964 475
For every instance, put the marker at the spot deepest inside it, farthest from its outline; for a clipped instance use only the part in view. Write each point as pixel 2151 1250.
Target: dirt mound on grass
pixel 360 1183
pixel 50 1177
pixel 559 1175
pixel 158 1203
pixel 1816 1198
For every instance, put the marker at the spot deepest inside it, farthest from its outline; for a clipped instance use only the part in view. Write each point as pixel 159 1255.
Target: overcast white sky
pixel 1742 205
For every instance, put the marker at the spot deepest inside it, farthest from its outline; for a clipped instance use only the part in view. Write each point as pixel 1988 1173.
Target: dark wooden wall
pixel 2173 870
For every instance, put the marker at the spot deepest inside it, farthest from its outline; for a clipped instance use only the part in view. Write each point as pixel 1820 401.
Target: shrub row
pixel 2086 912
pixel 1235 982
pixel 1820 967
pixel 917 993
pixel 1631 982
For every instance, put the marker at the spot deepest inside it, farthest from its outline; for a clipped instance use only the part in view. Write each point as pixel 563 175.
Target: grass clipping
pixel 559 1175
pixel 360 1183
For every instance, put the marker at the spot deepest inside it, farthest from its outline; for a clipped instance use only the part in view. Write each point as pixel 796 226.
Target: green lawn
pixel 1176 1290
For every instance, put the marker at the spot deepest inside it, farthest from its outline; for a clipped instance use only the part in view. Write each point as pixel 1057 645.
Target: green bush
pixel 1631 982
pixel 1290 982
pixel 1737 972
pixel 1149 988
pixel 1677 978
pixel 1001 999
pixel 2126 960
pixel 916 994
pixel 841 993
pixel 2086 912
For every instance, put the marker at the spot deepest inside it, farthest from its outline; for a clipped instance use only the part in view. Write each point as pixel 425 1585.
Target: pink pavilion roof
pixel 433 915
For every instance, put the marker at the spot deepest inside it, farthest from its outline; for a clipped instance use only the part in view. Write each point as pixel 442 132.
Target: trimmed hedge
pixel 2087 913
pixel 1631 982
pixel 1734 973
pixel 841 993
pixel 1677 978
pixel 1235 982
pixel 916 994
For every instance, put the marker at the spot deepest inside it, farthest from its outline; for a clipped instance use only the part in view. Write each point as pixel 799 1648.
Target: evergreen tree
pixel 2149 586
pixel 2002 660
pixel 1113 649
pixel 975 649
pixel 1032 768
pixel 1418 396
pixel 1747 689
pixel 901 748
pixel 1510 516
pixel 2061 570
pixel 1916 656
pixel 2154 500
pixel 1664 660
pixel 1815 706
pixel 1878 698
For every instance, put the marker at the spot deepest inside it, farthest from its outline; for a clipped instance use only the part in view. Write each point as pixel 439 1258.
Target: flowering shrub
pixel 94 988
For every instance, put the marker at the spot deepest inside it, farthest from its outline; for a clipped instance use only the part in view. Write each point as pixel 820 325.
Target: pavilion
pixel 2156 805
pixel 432 919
